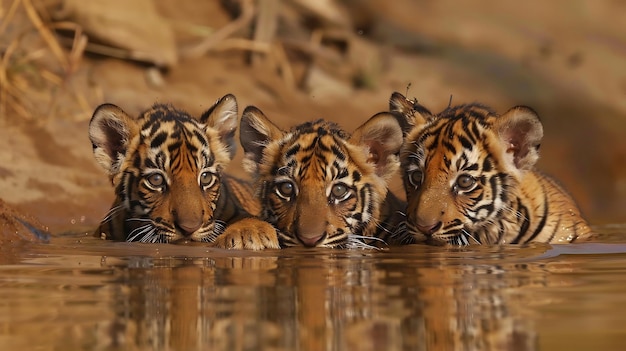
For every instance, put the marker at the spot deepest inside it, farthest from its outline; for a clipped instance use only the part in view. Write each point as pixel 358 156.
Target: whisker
pixel 383 229
pixel 149 234
pixel 469 235
pixel 357 244
pixel 402 234
pixel 393 232
pixel 149 237
pixel 109 215
pixel 286 240
pixel 211 234
pixel 210 237
pixel 135 233
pixel 219 227
pixel 354 236
pixel 462 240
pixel 158 238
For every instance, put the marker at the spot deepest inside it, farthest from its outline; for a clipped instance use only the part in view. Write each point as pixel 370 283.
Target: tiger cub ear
pixel 411 113
pixel 382 134
pixel 256 131
pixel 110 131
pixel 222 117
pixel 521 132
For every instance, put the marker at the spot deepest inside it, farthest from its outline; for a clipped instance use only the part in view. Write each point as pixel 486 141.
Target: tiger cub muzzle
pixel 439 221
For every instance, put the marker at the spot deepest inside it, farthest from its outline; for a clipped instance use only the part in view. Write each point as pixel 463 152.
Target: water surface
pixel 79 292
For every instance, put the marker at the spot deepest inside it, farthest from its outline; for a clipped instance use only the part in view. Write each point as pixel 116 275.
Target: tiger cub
pixel 167 171
pixel 320 186
pixel 469 178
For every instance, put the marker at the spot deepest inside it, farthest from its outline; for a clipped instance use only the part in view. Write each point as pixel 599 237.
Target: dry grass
pixel 267 47
pixel 38 67
pixel 265 13
pixel 34 73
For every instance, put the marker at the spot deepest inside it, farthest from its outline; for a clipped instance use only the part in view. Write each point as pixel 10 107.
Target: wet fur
pixel 317 161
pixel 508 201
pixel 167 171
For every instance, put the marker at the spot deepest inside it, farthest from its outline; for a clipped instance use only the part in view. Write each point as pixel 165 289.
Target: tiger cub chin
pixel 320 186
pixel 469 178
pixel 167 171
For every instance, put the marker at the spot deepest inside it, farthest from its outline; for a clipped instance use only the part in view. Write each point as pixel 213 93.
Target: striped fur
pixel 320 186
pixel 167 171
pixel 469 178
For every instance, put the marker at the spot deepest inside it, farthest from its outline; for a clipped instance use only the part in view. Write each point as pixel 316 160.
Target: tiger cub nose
pixel 187 222
pixel 189 228
pixel 428 228
pixel 310 241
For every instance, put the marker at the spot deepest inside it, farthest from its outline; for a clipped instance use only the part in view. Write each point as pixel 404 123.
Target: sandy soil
pixel 564 59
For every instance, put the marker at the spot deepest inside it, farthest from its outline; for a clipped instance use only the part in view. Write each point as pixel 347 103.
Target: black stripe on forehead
pixel 462 161
pixel 338 152
pixel 310 146
pixel 290 164
pixel 487 164
pixel 343 172
pixel 292 151
pixel 157 162
pixel 174 131
pixel 471 167
pixel 202 138
pixel 471 132
pixel 448 146
pixel 321 137
pixel 158 139
pixel 208 158
pixel 160 130
pixel 321 128
pixel 465 142
pixel 473 110
pixel 478 115
pixel 177 144
pixel 153 125
pixel 453 133
pixel 165 117
pixel 321 147
pixel 165 113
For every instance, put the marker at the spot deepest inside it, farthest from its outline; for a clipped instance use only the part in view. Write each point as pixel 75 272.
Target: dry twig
pixel 263 42
pixel 246 17
pixel 16 90
pixel 45 33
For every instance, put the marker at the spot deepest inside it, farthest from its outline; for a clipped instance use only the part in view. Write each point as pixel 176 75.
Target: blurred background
pixel 299 60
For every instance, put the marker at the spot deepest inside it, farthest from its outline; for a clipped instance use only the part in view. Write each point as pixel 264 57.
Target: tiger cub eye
pixel 207 179
pixel 156 180
pixel 339 191
pixel 415 178
pixel 465 181
pixel 285 190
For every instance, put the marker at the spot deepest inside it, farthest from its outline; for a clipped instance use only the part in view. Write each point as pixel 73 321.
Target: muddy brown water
pixel 78 292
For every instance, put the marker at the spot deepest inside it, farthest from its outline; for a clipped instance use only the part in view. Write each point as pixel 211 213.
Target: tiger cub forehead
pixel 318 148
pixel 161 118
pixel 170 134
pixel 319 127
pixel 457 137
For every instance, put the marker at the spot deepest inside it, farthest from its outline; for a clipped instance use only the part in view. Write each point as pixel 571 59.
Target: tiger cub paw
pixel 248 234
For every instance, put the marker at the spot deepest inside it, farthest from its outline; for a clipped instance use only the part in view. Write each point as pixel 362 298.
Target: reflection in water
pixel 114 296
